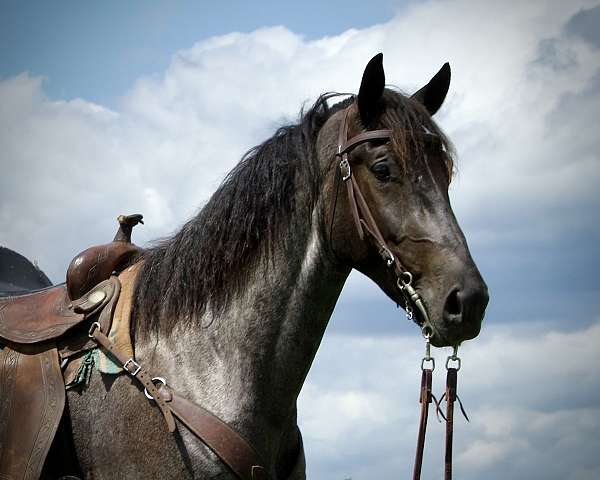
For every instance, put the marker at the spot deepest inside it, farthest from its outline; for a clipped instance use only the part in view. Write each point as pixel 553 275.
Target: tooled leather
pixel 8 373
pixel 53 408
pixel 36 388
pixel 96 264
pixel 48 314
pixel 37 316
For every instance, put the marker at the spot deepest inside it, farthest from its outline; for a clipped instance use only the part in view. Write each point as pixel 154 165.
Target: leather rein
pixel 364 222
pixel 235 451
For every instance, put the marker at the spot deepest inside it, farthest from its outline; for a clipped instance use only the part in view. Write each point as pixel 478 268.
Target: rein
pixel 364 222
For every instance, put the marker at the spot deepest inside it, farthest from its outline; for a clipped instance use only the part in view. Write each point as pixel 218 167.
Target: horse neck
pixel 248 364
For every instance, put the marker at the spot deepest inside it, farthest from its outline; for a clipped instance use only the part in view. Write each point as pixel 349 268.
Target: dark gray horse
pixel 232 308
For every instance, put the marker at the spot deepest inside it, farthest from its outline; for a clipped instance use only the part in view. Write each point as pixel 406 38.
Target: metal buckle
pixel 454 358
pixel 345 169
pixel 426 359
pixel 157 379
pixel 93 328
pixel 133 362
pixel 388 256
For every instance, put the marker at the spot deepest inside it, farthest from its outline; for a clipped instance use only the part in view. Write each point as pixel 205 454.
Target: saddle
pixel 40 331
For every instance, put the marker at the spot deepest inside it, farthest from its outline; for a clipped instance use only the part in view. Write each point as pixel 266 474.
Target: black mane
pixel 207 261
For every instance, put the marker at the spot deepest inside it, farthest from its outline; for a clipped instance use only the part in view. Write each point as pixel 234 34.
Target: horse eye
pixel 381 170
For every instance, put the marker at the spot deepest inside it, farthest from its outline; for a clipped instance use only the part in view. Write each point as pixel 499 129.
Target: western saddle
pixel 40 331
pixel 45 338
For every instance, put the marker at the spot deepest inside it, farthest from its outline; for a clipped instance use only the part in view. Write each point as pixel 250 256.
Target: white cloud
pixel 528 396
pixel 528 169
pixel 71 167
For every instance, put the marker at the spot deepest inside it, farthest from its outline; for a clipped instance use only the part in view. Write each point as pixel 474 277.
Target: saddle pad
pixel 32 399
pixel 119 330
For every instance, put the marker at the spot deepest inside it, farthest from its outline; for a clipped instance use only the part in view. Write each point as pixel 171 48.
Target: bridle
pixel 365 222
pixel 235 451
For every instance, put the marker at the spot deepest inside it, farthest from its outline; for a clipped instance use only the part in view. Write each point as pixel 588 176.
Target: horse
pixel 231 308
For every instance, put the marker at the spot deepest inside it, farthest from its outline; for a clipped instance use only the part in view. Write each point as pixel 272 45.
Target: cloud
pixel 76 165
pixel 531 396
pixel 584 24
pixel 522 111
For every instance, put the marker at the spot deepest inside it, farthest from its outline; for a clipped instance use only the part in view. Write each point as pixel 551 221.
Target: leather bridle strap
pixel 364 220
pixel 451 397
pixel 451 378
pixel 425 399
pixel 224 441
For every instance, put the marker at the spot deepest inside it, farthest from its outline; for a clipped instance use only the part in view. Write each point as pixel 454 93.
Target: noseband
pixel 364 221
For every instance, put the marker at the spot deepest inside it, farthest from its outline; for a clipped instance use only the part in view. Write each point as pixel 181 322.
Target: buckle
pixel 95 326
pixel 137 366
pixel 345 169
pixel 155 379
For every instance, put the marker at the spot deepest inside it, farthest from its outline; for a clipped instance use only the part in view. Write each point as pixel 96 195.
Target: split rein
pixel 364 221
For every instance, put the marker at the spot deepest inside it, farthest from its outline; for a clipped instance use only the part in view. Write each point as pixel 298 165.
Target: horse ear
pixel 371 88
pixel 433 94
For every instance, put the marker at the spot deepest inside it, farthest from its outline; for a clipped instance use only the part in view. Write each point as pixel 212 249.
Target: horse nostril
pixel 453 304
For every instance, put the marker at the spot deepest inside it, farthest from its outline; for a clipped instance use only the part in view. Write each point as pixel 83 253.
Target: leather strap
pixel 364 137
pixel 363 218
pixel 425 399
pixel 226 443
pixel 137 372
pixel 451 379
pixel 345 145
pixel 32 399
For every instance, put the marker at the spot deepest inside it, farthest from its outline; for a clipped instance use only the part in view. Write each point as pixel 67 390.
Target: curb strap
pixel 233 450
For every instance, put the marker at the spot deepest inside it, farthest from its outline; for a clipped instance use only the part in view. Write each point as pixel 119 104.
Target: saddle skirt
pixel 38 331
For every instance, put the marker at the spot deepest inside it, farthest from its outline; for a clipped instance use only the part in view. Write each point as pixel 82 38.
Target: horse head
pixel 399 174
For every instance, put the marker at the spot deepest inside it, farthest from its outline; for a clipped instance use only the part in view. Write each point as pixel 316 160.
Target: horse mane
pixel 274 187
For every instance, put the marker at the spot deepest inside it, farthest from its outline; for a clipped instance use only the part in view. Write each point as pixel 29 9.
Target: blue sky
pixel 97 50
pixel 140 99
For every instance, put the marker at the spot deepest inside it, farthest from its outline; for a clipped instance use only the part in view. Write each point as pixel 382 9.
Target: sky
pixel 136 107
